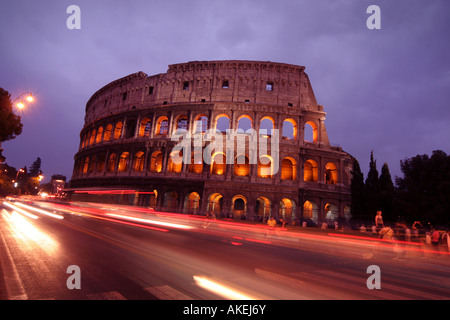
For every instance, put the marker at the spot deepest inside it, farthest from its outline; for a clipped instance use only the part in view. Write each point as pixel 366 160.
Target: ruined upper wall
pixel 232 81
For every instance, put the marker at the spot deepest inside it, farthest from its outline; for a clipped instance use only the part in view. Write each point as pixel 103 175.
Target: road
pixel 134 254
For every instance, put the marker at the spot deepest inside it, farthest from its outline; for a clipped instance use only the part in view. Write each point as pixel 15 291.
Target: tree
pixel 35 169
pixel 372 189
pixel 357 189
pixel 424 190
pixel 10 124
pixel 387 194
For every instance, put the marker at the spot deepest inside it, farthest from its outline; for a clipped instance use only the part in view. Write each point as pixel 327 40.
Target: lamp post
pixel 19 102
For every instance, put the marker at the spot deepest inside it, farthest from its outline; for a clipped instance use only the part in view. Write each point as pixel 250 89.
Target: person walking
pixel 435 236
pixel 379 221
pixel 271 225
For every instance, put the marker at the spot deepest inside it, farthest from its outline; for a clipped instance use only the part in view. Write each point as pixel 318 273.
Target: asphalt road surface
pixel 121 254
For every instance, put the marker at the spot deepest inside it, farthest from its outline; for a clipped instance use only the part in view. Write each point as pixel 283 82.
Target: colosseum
pixel 256 146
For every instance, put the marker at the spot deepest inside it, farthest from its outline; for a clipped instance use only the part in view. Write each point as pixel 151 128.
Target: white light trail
pixel 148 221
pixel 53 215
pixel 28 214
pixel 221 290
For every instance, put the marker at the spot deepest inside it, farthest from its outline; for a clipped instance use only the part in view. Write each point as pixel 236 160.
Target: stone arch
pixel 289 129
pixel 311 171
pixel 310 211
pixel 331 173
pixel 156 161
pixel 311 132
pixel 215 203
pixel 192 203
pixel 288 169
pixel 244 123
pixel 222 122
pixel 241 165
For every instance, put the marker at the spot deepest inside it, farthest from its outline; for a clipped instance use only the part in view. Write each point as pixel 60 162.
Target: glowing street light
pixel 19 101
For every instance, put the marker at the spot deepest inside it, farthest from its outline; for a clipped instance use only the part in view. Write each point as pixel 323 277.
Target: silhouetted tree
pixel 372 189
pixel 10 125
pixel 387 194
pixel 357 189
pixel 424 190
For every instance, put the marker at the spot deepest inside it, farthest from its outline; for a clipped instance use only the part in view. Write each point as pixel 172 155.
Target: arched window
pixel 138 161
pixel 201 124
pixel 182 124
pixel 175 163
pixel 310 211
pixel 124 162
pixel 145 127
pixel 162 126
pixel 244 123
pixel 156 161
pixel 265 167
pixel 222 123
pixel 331 173
pixel 311 171
pixel 192 203
pixel 196 165
pixel 311 132
pixel 289 129
pixel 219 163
pixel 92 138
pixel 266 126
pixel 112 159
pixel 288 169
pixel 241 165
pixel 118 130
pixel 262 207
pixel 99 135
pixel 108 132
pixel 287 209
pixel 86 165
pixel 215 203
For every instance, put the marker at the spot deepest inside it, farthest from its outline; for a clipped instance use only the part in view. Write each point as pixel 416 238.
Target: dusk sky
pixel 386 90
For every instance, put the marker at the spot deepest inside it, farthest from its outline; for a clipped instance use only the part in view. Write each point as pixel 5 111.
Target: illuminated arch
pixel 289 129
pixel 311 171
pixel 108 132
pixel 241 165
pixel 145 127
pixel 124 162
pixel 311 132
pixel 138 161
pixel 263 207
pixel 200 123
pixel 219 163
pixel 244 123
pixel 192 203
pixel 310 211
pixel 98 138
pixel 215 202
pixel 111 165
pixel 287 208
pixel 266 125
pixel 222 123
pixel 265 166
pixel 162 126
pixel 156 161
pixel 288 169
pixel 118 130
pixel 331 173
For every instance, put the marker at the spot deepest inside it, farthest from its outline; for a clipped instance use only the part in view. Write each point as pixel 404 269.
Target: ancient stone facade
pixel 133 124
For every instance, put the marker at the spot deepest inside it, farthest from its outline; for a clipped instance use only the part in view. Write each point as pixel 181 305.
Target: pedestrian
pixel 271 224
pixel 379 221
pixel 435 236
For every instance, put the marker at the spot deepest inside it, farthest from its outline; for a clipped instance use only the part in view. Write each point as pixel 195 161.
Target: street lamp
pixel 19 101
